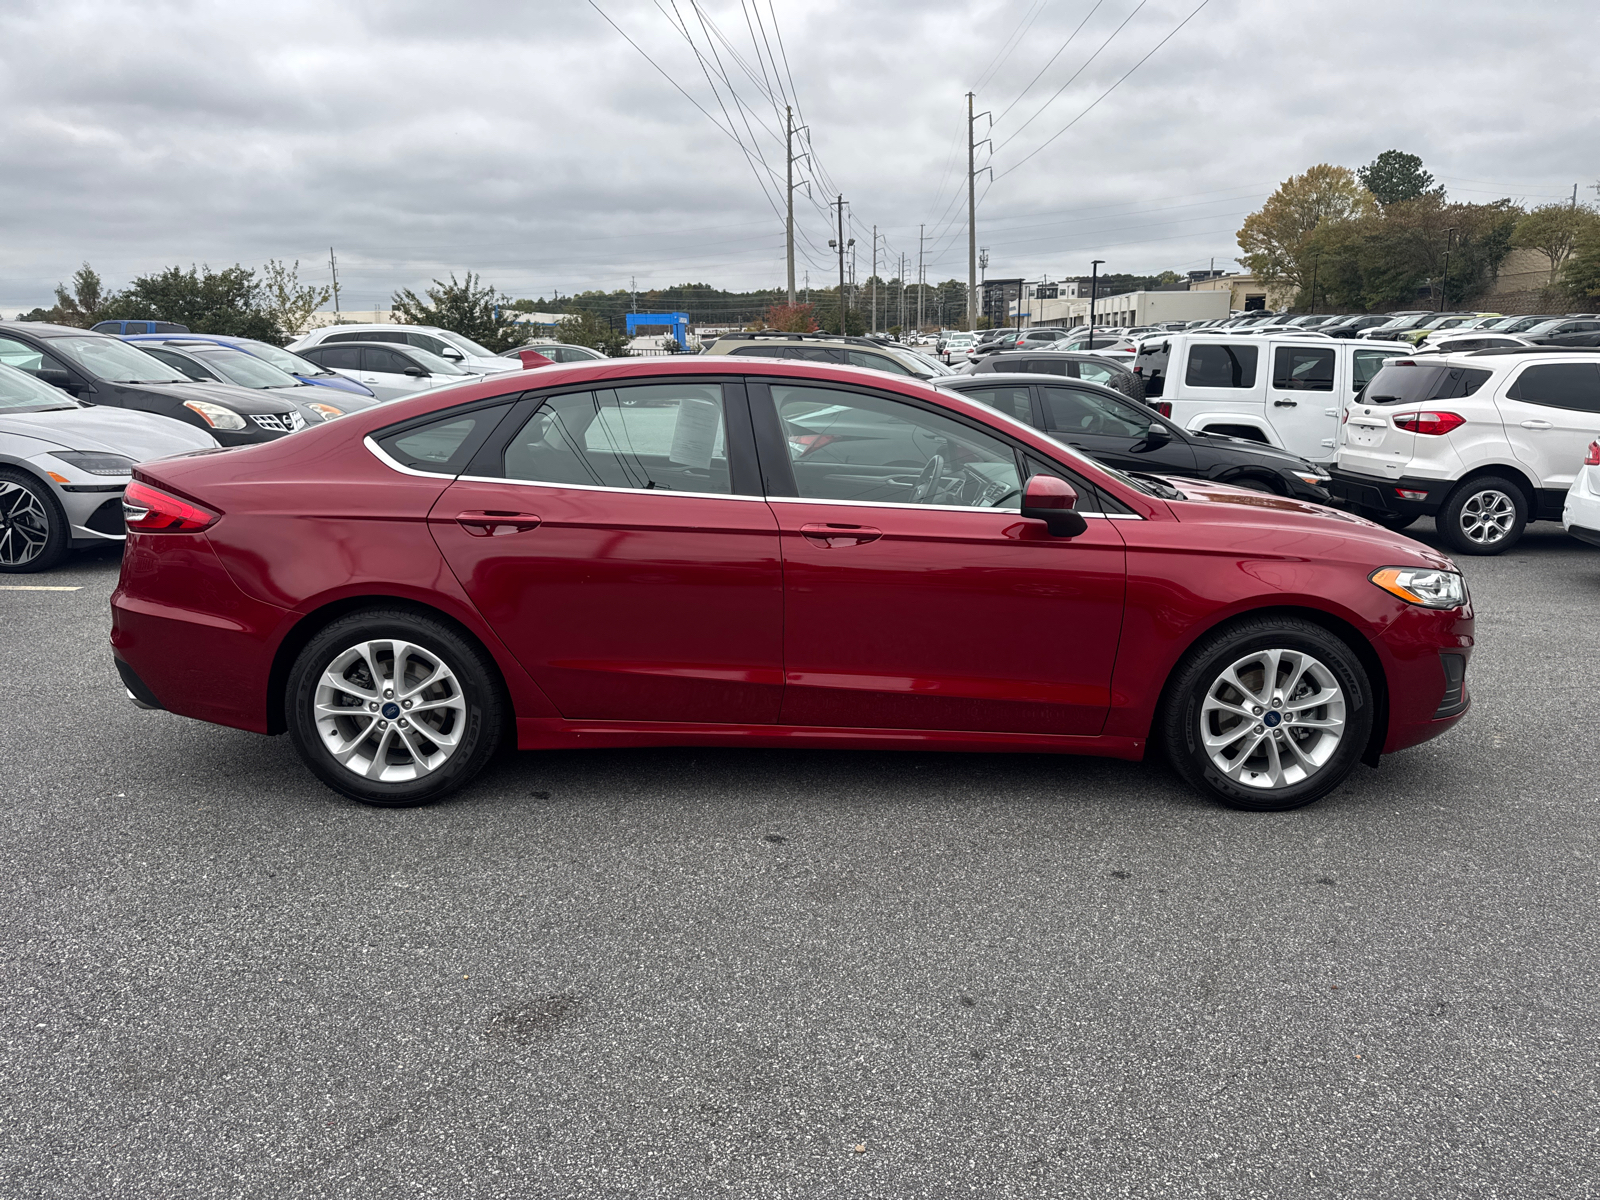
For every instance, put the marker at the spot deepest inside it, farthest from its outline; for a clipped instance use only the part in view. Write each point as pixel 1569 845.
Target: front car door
pixel 1551 412
pixel 1302 404
pixel 1114 431
pixel 915 597
pixel 382 367
pixel 617 541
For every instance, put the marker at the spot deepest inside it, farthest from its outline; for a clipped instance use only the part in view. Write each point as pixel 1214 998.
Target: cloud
pixel 532 144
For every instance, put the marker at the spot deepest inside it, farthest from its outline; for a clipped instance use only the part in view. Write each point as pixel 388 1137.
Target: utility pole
pixel 789 224
pixel 1444 282
pixel 920 270
pixel 1094 286
pixel 808 287
pixel 333 265
pixel 902 292
pixel 874 279
pixel 633 291
pixel 841 245
pixel 972 213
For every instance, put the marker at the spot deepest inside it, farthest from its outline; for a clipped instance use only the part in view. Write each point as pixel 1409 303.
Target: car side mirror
pixel 1158 432
pixel 451 353
pixel 1054 501
pixel 416 372
pixel 55 377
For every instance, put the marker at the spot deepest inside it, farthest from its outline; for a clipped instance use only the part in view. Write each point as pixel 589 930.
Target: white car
pixel 1450 341
pixel 1483 442
pixel 1581 512
pixel 452 347
pixel 388 370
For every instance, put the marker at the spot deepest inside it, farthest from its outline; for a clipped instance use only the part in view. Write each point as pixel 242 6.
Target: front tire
pixel 1267 714
pixel 1483 516
pixel 394 708
pixel 34 534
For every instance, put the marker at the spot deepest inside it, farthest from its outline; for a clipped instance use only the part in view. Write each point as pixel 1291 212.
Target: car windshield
pixel 435 365
pixel 246 370
pixel 115 361
pixel 291 363
pixel 21 391
pixel 463 344
pixel 933 364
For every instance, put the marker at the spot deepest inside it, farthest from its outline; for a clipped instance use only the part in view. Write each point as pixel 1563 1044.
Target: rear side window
pixel 1222 366
pixel 1013 401
pixel 876 362
pixel 1559 385
pixel 387 361
pixel 336 358
pixel 1302 369
pixel 1079 411
pixel 445 445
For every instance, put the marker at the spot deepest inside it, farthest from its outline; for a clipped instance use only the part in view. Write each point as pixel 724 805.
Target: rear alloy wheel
pixel 394 708
pixel 1268 714
pixel 1483 516
pixel 34 535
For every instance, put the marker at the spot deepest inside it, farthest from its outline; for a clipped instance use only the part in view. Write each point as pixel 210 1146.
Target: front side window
pixel 1096 372
pixel 875 362
pixel 1013 401
pixel 846 446
pixel 375 358
pixel 654 437
pixel 1222 366
pixel 246 369
pixel 1078 411
pixel 423 342
pixel 1299 369
pixel 1573 386
pixel 182 363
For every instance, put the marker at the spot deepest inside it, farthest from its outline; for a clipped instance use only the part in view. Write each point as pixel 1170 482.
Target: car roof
pixel 46 329
pixel 348 342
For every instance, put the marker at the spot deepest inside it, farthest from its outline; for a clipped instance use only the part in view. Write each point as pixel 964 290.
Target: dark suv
pixel 99 369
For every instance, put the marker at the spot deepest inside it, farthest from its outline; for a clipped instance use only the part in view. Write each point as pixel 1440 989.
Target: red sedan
pixel 735 552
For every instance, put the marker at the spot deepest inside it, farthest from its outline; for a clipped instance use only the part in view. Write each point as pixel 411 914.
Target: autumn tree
pixel 791 318
pixel 1553 230
pixel 1276 240
pixel 1395 176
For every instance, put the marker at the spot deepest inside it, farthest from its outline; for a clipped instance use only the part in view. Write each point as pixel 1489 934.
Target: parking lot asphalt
pixel 773 974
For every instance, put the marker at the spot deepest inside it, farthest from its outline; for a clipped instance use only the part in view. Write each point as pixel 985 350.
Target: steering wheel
pixel 932 473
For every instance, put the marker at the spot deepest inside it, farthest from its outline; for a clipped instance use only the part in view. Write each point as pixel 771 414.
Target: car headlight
pixel 215 415
pixel 96 463
pixel 1430 589
pixel 328 411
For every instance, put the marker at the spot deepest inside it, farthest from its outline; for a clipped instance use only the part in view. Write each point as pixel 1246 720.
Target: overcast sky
pixel 531 143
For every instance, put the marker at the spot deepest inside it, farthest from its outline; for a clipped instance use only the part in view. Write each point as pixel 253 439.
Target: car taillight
pixel 145 508
pixel 1429 422
pixel 1592 459
pixel 1163 407
pixel 806 443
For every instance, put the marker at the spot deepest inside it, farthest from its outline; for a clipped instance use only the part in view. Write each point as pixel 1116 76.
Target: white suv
pixel 450 346
pixel 1483 442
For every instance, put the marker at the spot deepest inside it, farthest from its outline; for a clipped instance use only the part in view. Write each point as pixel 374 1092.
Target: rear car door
pixel 1113 431
pixel 1551 413
pixel 617 541
pixel 914 595
pixel 1303 405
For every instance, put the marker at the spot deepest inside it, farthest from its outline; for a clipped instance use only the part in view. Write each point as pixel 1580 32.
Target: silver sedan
pixel 63 466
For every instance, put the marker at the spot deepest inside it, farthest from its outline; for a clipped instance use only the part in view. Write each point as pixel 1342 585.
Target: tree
pixel 1394 176
pixel 81 306
pixel 1553 230
pixel 465 307
pixel 1581 275
pixel 791 318
pixel 586 329
pixel 1168 277
pixel 226 302
pixel 1275 240
pixel 287 301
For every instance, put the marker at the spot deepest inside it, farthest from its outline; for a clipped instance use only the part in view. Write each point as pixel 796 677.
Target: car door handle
pixel 1537 425
pixel 1285 403
pixel 831 535
pixel 495 523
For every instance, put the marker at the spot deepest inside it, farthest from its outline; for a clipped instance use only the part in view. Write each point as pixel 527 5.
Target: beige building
pixel 1246 292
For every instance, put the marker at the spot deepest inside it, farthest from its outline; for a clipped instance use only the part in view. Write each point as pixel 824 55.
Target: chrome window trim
pixel 592 487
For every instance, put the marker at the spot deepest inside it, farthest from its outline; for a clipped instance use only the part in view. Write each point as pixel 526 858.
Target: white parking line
pixel 34 587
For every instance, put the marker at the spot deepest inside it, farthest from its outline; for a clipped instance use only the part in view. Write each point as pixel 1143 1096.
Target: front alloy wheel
pixel 1267 713
pixel 394 708
pixel 33 528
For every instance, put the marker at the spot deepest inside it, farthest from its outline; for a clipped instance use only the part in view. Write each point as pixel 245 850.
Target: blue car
pixel 302 369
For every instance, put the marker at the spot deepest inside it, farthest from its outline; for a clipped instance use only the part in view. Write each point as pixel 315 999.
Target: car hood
pixel 138 435
pixel 491 366
pixel 1207 501
pixel 1260 449
pixel 242 400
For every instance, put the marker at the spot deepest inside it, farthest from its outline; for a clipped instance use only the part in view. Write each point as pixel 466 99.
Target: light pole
pixel 1094 280
pixel 1444 282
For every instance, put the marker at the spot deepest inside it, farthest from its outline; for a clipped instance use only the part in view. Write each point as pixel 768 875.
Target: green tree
pixel 1581 275
pixel 588 329
pixel 226 302
pixel 81 306
pixel 1553 230
pixel 1394 176
pixel 287 301
pixel 466 307
pixel 1276 240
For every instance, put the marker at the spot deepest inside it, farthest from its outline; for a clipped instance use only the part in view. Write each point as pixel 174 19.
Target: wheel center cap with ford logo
pixel 391 710
pixel 1270 720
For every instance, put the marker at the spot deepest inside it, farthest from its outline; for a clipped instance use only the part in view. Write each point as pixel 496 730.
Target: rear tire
pixel 1483 516
pixel 394 708
pixel 1267 714
pixel 34 533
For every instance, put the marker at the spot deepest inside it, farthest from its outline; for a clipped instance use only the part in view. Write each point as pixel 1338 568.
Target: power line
pixel 1108 91
pixel 1075 74
pixel 1007 46
pixel 1053 58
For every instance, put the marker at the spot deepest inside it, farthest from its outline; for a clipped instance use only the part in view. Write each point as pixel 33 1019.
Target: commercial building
pixel 1126 308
